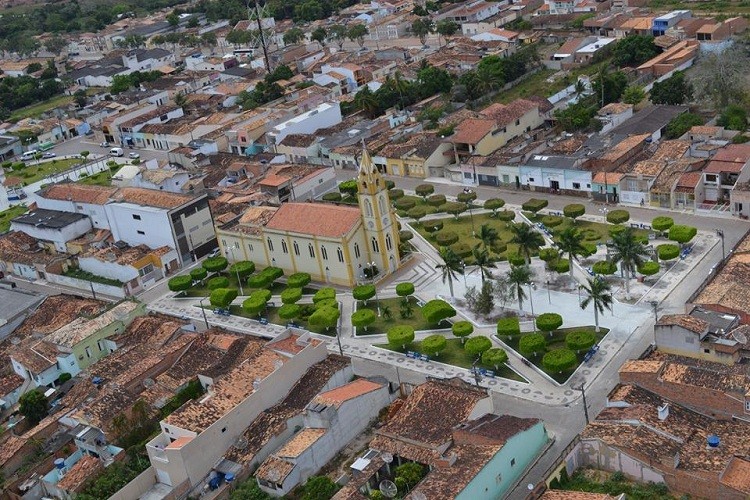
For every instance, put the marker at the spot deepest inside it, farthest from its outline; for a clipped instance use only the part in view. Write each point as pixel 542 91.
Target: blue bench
pixel 424 357
pixel 263 321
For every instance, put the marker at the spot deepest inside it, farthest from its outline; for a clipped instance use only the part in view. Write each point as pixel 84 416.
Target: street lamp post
pixel 477 377
pixel 203 310
pixel 720 234
pixel 463 272
pixel 471 214
pixel 549 297
pixel 531 303
pixel 585 406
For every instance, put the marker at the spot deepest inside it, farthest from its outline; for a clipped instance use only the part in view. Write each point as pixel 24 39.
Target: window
pixel 747 405
pixel 518 122
pixel 296 248
pixel 141 232
pixel 284 248
pixel 323 252
pixel 531 179
pixel 340 254
pixel 146 270
pixel 356 251
pixel 88 352
pixel 512 462
pixel 250 247
pixel 707 351
pixel 375 246
pixel 381 205
pixel 588 186
pixel 388 243
pixel 98 344
pixel 136 217
pixel 576 185
pixel 311 249
pixel 368 208
pixel 689 339
pixel 270 244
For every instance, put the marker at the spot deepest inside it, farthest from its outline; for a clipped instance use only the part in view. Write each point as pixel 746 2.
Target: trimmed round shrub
pixel 395 194
pixel 515 258
pixel 405 204
pixel 417 213
pixel 218 282
pixel 437 310
pixel 244 268
pixel 289 311
pixel 466 197
pixel 667 251
pixel 618 216
pixel 506 215
pixel 461 249
pixel 390 184
pixel 348 187
pixel 198 274
pixel 509 326
pixel 362 318
pixel 494 357
pixel 552 220
pixel 548 322
pixel 616 230
pixel 424 190
pixel 604 267
pixel 561 266
pixel 574 210
pixel 405 289
pixel 446 238
pixel 589 249
pixel 363 292
pixel 433 344
pixel 559 360
pixel 298 280
pixel 332 196
pixel 649 268
pixel 326 303
pixel 324 294
pixel 436 200
pixel 682 234
pixel 222 297
pixel 532 344
pixel 215 264
pixel 259 280
pixel 324 317
pixel 254 305
pixel 534 205
pixel 475 346
pixel 180 283
pixel 589 235
pixel 291 295
pixel 548 254
pixel 662 223
pixel 453 208
pixel 401 335
pixel 579 341
pixel 462 329
pixel 274 272
pixel 405 235
pixel 432 226
pixel 263 293
pixel 494 204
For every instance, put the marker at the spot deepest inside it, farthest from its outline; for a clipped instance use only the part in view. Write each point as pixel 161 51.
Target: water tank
pixel 713 441
pixel 60 463
pixel 229 477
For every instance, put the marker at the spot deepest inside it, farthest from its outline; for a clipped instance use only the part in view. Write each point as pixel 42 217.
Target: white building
pixel 52 226
pixel 147 59
pixel 324 115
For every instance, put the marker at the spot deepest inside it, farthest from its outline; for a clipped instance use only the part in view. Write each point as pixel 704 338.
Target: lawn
pixel 455 355
pixel 37 109
pixel 382 324
pixel 33 172
pixel 272 315
pixel 7 215
pixel 100 179
pixel 594 232
pixel 556 341
pixel 276 288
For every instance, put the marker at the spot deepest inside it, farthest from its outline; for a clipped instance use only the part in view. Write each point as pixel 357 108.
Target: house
pixel 497 35
pixel 719 31
pixel 21 255
pixel 677 57
pixel 662 23
pixel 421 155
pixel 471 12
pixel 331 421
pixel 12 386
pixel 332 243
pixel 323 116
pixel 556 174
pixel 297 183
pixel 52 228
pixel 15 306
pixel 722 172
pixel 147 59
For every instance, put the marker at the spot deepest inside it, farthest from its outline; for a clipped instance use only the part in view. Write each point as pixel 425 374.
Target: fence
pixel 87 286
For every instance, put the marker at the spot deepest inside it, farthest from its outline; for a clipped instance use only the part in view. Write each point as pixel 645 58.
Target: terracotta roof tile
pixel 81 193
pixel 315 218
pixel 346 392
pixel 737 475
pixel 504 114
pixel 73 479
pixel 472 131
pixel 151 198
pixel 274 470
pixel 299 443
pixel 691 323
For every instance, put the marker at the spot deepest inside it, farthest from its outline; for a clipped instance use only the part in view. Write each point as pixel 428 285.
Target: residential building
pixel 472 12
pixel 136 267
pixel 556 174
pixel 21 255
pixel 147 59
pixel 722 173
pixel 421 155
pixel 677 57
pixel 52 228
pixel 15 306
pixel 323 116
pixel 662 23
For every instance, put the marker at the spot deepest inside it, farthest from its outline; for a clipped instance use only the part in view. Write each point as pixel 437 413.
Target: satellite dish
pixel 739 337
pixel 241 443
pixel 388 488
pixel 387 457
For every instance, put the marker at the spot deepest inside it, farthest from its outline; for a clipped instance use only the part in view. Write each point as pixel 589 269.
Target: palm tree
pixel 598 293
pixel 570 241
pixel 518 276
pixel 451 266
pixel 486 81
pixel 629 253
pixel 579 89
pixel 483 262
pixel 487 235
pixel 366 101
pixel 527 239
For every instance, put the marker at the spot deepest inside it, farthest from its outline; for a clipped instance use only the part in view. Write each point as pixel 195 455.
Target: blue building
pixel 661 24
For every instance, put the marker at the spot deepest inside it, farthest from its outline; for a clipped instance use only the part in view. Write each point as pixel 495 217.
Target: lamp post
pixel 585 406
pixel 463 272
pixel 477 377
pixel 373 267
pixel 471 214
pixel 579 294
pixel 203 310
pixel 549 297
pixel 720 234
pixel 655 305
pixel 532 286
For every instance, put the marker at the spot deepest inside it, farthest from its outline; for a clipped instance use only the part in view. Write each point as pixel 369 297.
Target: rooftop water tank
pixel 713 441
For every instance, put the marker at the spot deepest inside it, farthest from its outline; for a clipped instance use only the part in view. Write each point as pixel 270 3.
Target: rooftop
pixel 82 328
pixel 317 219
pixel 73 479
pixel 151 198
pixel 338 396
pixel 505 114
pixel 737 475
pixel 299 443
pixel 695 325
pixel 80 193
pixel 471 131
pixel 48 219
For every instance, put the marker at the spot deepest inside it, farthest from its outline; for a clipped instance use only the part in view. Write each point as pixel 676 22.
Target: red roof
pixel 716 167
pixel 316 219
pixel 472 131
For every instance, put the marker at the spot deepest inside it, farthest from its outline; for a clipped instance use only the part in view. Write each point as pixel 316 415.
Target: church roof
pixel 317 219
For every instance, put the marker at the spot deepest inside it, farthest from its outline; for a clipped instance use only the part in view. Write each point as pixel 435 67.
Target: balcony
pixel 155 448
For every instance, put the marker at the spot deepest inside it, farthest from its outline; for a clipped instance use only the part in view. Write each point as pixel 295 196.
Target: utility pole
pixel 585 406
pixel 258 13
pixel 720 234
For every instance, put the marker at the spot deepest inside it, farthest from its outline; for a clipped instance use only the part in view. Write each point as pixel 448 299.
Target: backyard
pixel 455 355
pixel 34 172
pixel 393 306
pixel 74 272
pixel 7 215
pixel 100 179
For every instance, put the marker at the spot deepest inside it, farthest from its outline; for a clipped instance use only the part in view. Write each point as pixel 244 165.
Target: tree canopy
pixel 674 90
pixel 634 50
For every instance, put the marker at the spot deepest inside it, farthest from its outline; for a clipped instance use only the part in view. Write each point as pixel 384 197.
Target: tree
pixel 494 357
pixel 662 223
pixel 453 208
pixel 437 310
pixel 494 204
pixel 366 100
pixel 578 116
pixel 198 274
pixel 629 252
pixel 291 295
pixel 319 35
pixel 531 344
pixel 634 50
pixel 451 267
pixel 570 241
pixel 401 335
pixel 338 33
pixel 308 10
pixel 433 344
pixel 674 90
pixel 215 264
pixel 488 236
pixel 424 190
pixel 357 33
pixel 289 311
pixel 218 282
pixel 362 318
pixel 580 341
pixel 475 346
pixel 604 267
pixel 349 187
pixel 33 406
pixel 483 262
pixel 549 322
pixel 324 317
pixel 410 473
pixel 421 28
pixel 598 293
pixel 363 292
pixel 574 210
pixel 193 22
pixel 720 78
pixel 222 297
pixel 209 39
pixel 508 326
pixel 681 123
pixel 416 213
pixel 734 117
pixel 255 304
pixel 518 276
pixel 447 28
pixel 180 283
pixel 614 85
pixel 633 95
pixel 405 290
pixel 559 360
pixel 649 268
pixel 324 294
pixel 173 19
pixel 243 268
pixel 406 309
pixel 618 216
pixel 319 488
pixel 527 238
pixel 56 44
pixel 481 302
pixel 293 35
pixel 462 329
pixel 682 234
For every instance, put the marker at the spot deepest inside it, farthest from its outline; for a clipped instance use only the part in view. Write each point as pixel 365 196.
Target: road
pixel 86 143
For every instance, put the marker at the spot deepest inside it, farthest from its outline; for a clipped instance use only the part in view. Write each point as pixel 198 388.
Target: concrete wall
pixel 152 229
pixel 674 339
pixel 324 181
pixel 58 236
pixel 110 290
pixel 111 270
pixel 96 213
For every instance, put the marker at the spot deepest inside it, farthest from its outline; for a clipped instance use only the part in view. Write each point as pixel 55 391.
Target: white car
pixel 104 144
pixel 49 155
pixel 133 156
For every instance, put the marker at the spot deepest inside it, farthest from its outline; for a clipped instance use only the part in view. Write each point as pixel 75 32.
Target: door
pixel 554 185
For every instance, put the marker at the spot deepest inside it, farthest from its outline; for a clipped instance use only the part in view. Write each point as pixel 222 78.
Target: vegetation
pixel 681 123
pixel 475 346
pixel 363 292
pixel 298 280
pixel 682 234
pixel 618 216
pixel 615 486
pixel 75 272
pixel 579 341
pixel 574 210
pixel 215 264
pixel 437 310
pixel 559 360
pixel 324 294
pixel 249 490
pixel 649 268
pixel 401 335
pixel 662 223
pixel 494 204
pixel 634 50
pixel 121 83
pixel 549 322
pixel 528 240
pixel 180 283
pixel 33 406
pixel 325 317
pixel 629 252
pixel 667 251
pixel 508 327
pixel 319 488
pixel 462 329
pixel 674 90
pixel 243 268
pixel 18 92
pixel 11 213
pixel 535 204
pixel 405 289
pixel 291 295
pixel 494 357
pixel 434 344
pixel 734 117
pixel 531 344
pixel 362 318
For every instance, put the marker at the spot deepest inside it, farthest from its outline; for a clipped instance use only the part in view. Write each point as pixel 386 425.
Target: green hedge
pixel 404 236
pixel 552 220
pixel 424 190
pixel 362 318
pixel 682 234
pixel 462 328
pixel 289 311
pixel 395 194
pixel 494 357
pixel 574 210
pixel 494 204
pixel 618 216
pixel 222 297
pixel 363 292
pixel 561 265
pixel 548 322
pixel 244 268
pixel 180 283
pixel 436 310
pixel 475 346
pixel 291 295
pixel 548 254
pixel 534 205
pixel 436 200
pixel 405 204
pixel 433 344
pixel 432 226
pixel 667 251
pixel 453 208
pixel 400 336
pixel 559 360
pixel 662 223
pixel 218 282
pixel 298 280
pixel 446 238
pixel 461 249
pixel 215 264
pixel 604 267
pixel 509 326
pixel 332 196
pixel 405 289
pixel 579 341
pixel 198 274
pixel 649 268
pixel 324 294
pixel 532 344
pixel 506 215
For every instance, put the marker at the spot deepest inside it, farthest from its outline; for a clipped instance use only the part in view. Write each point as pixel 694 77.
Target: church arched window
pixel 368 208
pixel 388 242
pixel 375 246
pixel 381 204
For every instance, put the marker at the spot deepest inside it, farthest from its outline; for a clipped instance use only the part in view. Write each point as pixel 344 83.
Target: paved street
pixel 89 143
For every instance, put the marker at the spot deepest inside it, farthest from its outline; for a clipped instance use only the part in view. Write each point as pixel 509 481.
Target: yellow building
pixel 422 155
pixel 334 243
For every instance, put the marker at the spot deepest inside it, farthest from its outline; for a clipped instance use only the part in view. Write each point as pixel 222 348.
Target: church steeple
pixel 369 180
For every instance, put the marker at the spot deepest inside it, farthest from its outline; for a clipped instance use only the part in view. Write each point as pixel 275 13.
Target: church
pixel 333 243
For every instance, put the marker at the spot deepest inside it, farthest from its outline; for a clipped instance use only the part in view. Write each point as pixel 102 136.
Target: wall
pixel 137 487
pixel 112 291
pixel 58 236
pixel 111 270
pixel 323 181
pixel 153 224
pixel 325 115
pixel 193 229
pixel 674 339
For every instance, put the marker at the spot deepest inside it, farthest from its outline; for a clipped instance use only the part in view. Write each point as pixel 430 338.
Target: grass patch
pixel 7 215
pixel 33 172
pixel 276 288
pixel 614 484
pixel 455 355
pixel 272 315
pixel 557 341
pixel 35 110
pixel 594 232
pixel 74 272
pixel 100 179
pixel 382 325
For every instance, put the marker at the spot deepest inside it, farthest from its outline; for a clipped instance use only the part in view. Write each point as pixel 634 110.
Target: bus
pixel 45 146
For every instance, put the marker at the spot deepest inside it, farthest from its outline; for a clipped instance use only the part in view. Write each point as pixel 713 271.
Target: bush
pixel 548 322
pixel 436 200
pixel 574 210
pixel 461 249
pixel 532 344
pixel 462 329
pixel 433 344
pixel 618 216
pixel 559 360
pixel 561 266
pixel 589 235
pixel 552 220
pixel 494 357
pixel 662 223
pixel 682 234
pixel 198 274
pixel 33 406
pixel 254 304
pixel 499 247
pixel 362 318
pixel 218 282
pixel 404 289
pixel 64 377
pixel 180 283
pixel 349 187
pixel 534 205
pixel 516 259
pixel 332 196
pixel 298 280
pixel 395 194
pixel 405 235
pixel 604 267
pixel 289 311
pixel 453 208
pixel 579 341
pixel 363 292
pixel 506 215
pixel 319 488
pixel 324 294
pixel 222 297
pixel 390 184
pixel 509 326
pixel 416 213
pixel 424 190
pixel 291 295
pixel 649 268
pixel 432 226
pixel 437 310
pixel 466 197
pixel 549 254
pixel 215 264
pixel 405 204
pixel 325 317
pixel 667 251
pixel 274 272
pixel 446 238
pixel 475 346
pixel 494 204
pixel 400 336
pixel 259 280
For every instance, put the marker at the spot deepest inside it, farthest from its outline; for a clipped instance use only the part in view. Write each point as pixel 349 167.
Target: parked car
pixel 133 156
pixel 116 152
pixel 104 144
pixel 49 155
